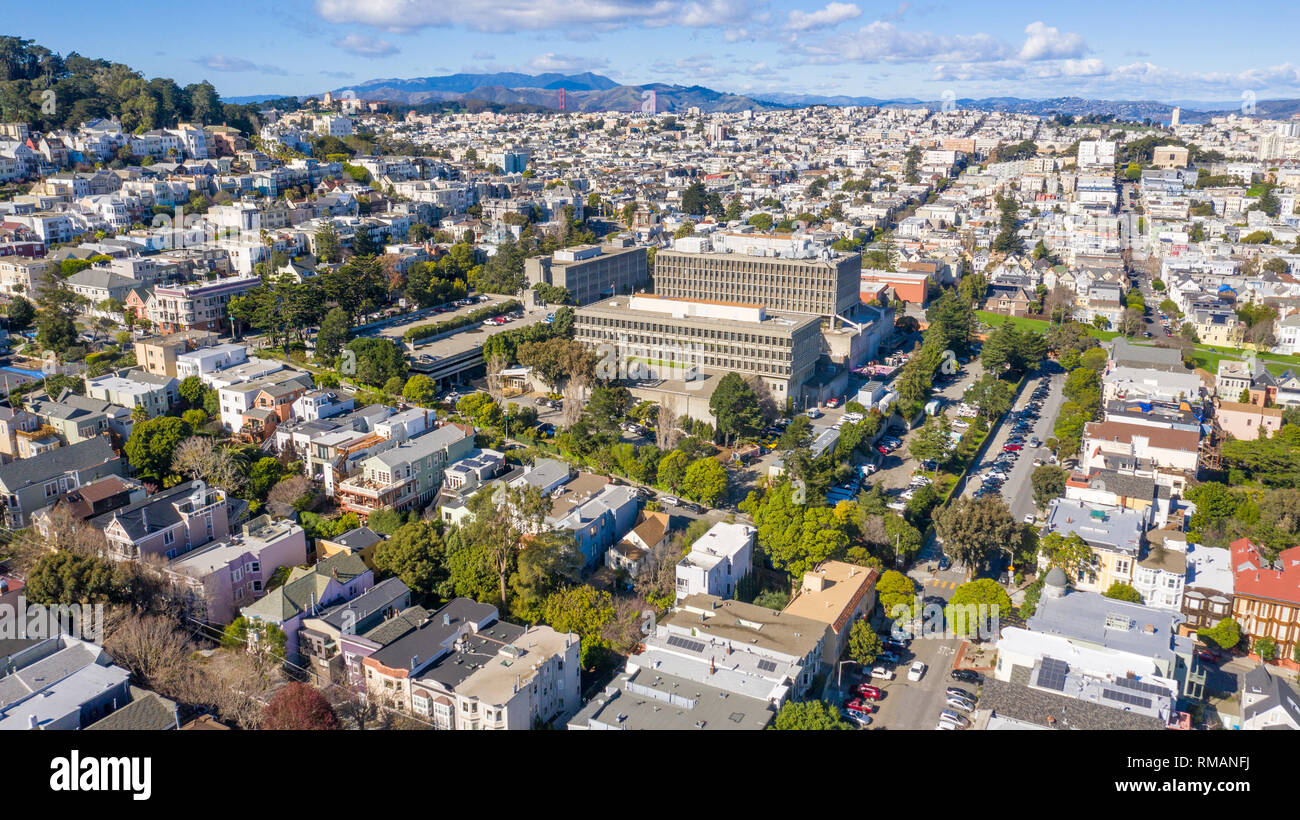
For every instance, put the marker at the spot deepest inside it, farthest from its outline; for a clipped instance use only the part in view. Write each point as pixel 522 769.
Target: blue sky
pixel 1103 49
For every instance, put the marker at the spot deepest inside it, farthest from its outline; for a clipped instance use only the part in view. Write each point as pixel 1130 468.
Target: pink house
pixel 229 574
pixel 1245 421
pixel 167 524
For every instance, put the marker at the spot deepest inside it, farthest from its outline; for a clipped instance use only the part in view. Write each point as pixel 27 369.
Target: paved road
pixel 1018 489
pixel 896 468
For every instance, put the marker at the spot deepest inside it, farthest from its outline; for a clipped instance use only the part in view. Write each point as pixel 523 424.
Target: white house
pixel 720 558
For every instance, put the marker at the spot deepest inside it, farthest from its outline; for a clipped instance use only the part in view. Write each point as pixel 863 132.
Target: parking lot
pixel 1016 488
pixel 896 469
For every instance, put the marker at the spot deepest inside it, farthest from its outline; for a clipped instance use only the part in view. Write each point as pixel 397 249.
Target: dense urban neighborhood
pixel 336 412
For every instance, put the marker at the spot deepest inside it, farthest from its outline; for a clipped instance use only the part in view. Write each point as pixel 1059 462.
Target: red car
pixel 832 402
pixel 1206 656
pixel 869 692
pixel 884 451
pixel 1013 447
pixel 859 705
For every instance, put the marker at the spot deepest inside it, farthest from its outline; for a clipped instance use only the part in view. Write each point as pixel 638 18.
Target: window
pixel 169 537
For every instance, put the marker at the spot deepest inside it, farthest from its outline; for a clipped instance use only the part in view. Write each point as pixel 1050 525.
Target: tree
pixel 705 481
pixel 864 643
pixel 549 562
pixel 932 441
pixel 736 407
pixel 585 611
pixel 975 607
pixel 1071 553
pixel 1123 592
pixel 608 405
pixel 421 390
pixel 153 442
pixel 672 470
pixel 1266 648
pixel 416 554
pixel 20 313
pixel 376 361
pixel 192 390
pixel 333 334
pixel 808 715
pixel 56 312
pixel 501 516
pixel 973 528
pixel 297 706
pixel 66 578
pixel 895 590
pixel 327 243
pixel 797 533
pixel 1048 481
pixel 1225 635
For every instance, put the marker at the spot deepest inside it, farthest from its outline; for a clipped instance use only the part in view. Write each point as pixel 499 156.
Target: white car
pixel 1029 518
pixel 881 673
pixel 947 727
pixel 916 671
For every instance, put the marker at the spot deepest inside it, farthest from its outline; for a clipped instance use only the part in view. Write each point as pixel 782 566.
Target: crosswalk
pixel 937 584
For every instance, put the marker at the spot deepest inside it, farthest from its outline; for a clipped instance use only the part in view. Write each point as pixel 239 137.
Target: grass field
pixel 1034 325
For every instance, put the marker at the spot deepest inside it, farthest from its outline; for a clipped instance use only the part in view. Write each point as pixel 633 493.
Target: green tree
pixel 808 716
pixel 1069 552
pixel 1048 481
pixel 333 334
pixel 796 532
pixel 1225 635
pixel 736 408
pixel 421 390
pixel 975 607
pixel 672 470
pixel 895 590
pixel 416 554
pixel 864 643
pixel 1123 592
pixel 192 391
pixel 584 611
pixel 1266 648
pixel 972 529
pixel 705 481
pixel 152 443
pixel 67 578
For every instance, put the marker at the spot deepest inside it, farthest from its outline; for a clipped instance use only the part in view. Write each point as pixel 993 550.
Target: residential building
pixel 229 574
pixel 717 561
pixel 406 476
pixel 643 698
pixel 1266 602
pixel 1115 536
pixel 1268 701
pixel 167 524
pixel 1208 589
pixel 62 683
pixel 319 637
pixel 29 484
pixel 836 594
pixel 158 354
pixel 308 592
pixel 135 388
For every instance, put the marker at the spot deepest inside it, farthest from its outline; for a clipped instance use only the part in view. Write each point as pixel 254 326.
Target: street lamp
pixel 839 674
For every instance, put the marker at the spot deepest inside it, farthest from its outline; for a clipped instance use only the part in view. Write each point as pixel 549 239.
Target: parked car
pixel 858 718
pixel 888 657
pixel 1207 656
pixel 881 673
pixel 953 717
pixel 960 703
pixel 958 692
pixel 967 676
pixel 917 671
pixel 859 705
pixel 1029 518
pixel 1011 448
pixel 669 500
pixel 869 692
pixel 832 402
pixel 814 413
pixel 947 726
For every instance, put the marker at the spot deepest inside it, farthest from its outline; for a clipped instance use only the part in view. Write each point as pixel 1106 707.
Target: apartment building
pixel 29 484
pixel 826 284
pixel 591 272
pixel 836 594
pixel 159 355
pixel 1267 594
pixel 660 337
pixel 1115 536
pixel 1177 450
pixel 167 524
pixel 135 388
pixel 200 306
pixel 406 476
pixel 320 638
pixel 228 574
pixel 309 592
pixel 717 561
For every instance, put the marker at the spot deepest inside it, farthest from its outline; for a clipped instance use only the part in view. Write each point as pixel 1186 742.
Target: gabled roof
pixel 53 463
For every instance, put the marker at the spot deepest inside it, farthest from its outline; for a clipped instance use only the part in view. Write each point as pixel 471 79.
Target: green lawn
pixel 1035 325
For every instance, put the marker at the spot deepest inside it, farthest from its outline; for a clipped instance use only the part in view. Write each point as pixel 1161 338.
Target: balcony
pixel 363 496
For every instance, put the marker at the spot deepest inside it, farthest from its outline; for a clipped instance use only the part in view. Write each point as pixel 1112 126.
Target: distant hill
pixel 594 92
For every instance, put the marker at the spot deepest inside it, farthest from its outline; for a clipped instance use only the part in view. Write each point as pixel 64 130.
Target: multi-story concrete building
pixel 407 476
pixel 664 337
pixel 827 284
pixel 591 272
pixel 159 354
pixel 226 575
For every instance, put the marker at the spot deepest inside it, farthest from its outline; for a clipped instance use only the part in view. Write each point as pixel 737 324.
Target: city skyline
pixel 885 50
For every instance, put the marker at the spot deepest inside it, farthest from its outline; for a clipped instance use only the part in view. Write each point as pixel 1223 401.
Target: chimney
pixel 144 516
pixel 415 661
pixel 32 723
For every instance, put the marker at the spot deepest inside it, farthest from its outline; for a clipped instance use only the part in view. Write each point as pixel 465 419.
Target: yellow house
pixel 362 542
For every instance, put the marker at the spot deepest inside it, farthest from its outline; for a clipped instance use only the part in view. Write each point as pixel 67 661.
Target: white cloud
pixel 566 63
pixel 1044 42
pixel 364 45
pixel 883 42
pixel 537 15
pixel 832 15
pixel 220 62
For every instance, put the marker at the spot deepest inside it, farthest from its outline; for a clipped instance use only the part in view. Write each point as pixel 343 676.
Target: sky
pixel 1168 51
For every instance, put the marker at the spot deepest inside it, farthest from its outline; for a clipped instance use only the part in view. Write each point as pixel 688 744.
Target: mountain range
pixel 594 92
